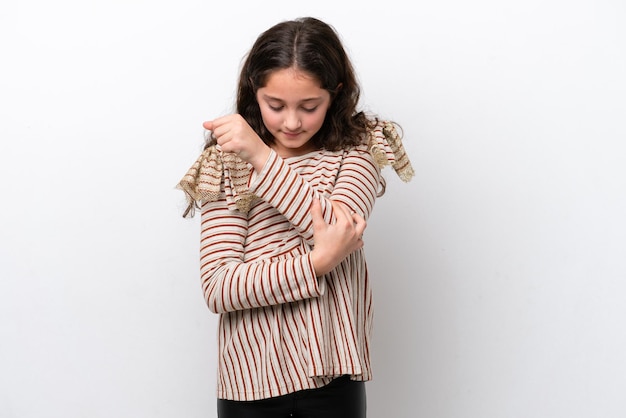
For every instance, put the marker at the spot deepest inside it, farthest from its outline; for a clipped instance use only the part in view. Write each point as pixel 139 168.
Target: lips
pixel 291 135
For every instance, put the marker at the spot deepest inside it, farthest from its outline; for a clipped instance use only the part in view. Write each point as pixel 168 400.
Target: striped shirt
pixel 281 328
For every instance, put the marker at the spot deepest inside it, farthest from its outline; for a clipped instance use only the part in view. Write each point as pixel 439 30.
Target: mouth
pixel 291 134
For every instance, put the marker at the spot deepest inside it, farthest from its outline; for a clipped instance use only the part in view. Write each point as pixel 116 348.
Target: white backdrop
pixel 498 271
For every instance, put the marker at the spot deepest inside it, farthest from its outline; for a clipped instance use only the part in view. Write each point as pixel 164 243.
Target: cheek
pixel 314 122
pixel 270 119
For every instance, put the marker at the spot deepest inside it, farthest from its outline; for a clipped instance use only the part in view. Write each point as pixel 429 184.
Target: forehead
pixel 293 73
pixel 289 84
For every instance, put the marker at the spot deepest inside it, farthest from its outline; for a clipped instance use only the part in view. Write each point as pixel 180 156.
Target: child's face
pixel 293 107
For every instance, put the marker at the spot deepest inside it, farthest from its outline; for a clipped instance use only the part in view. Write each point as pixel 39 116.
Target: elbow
pixel 210 303
pixel 212 296
pixel 214 301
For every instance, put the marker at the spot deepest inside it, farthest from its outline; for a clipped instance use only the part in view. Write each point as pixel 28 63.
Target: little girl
pixel 285 187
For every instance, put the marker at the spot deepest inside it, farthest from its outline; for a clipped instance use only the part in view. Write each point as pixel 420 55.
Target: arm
pixel 231 283
pixel 334 242
pixel 356 186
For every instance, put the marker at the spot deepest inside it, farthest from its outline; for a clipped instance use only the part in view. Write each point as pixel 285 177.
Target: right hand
pixel 334 242
pixel 234 134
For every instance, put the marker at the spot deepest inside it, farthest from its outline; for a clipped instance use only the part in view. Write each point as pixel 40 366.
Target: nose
pixel 292 121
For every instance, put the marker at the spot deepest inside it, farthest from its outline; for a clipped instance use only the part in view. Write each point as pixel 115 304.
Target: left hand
pixel 334 242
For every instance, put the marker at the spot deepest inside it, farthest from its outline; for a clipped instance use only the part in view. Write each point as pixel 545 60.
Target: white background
pixel 499 271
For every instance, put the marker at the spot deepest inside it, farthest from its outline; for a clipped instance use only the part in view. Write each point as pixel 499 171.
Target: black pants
pixel 341 398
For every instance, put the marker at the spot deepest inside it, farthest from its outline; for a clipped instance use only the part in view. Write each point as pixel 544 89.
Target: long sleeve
pixel 282 329
pixel 234 280
pixel 251 260
pixel 351 177
pixel 358 182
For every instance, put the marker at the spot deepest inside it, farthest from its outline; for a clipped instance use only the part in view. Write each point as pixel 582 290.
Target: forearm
pixel 354 176
pixel 235 286
pixel 232 281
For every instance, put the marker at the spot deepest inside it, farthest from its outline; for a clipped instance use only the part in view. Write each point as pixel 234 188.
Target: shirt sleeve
pixel 356 186
pixel 229 283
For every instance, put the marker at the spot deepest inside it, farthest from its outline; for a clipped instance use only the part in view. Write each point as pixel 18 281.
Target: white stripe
pixel 281 328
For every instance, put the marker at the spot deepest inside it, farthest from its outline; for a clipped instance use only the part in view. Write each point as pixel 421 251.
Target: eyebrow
pixel 310 99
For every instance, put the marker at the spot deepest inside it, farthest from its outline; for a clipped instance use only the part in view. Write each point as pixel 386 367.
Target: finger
pixel 360 224
pixel 353 216
pixel 214 124
pixel 316 214
pixel 221 135
pixel 357 217
pixel 341 211
pixel 222 132
pixel 359 228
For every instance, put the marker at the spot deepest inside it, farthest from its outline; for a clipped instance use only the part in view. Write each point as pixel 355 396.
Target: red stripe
pixel 248 262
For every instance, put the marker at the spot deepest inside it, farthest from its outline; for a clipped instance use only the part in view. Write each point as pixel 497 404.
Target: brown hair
pixel 314 47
